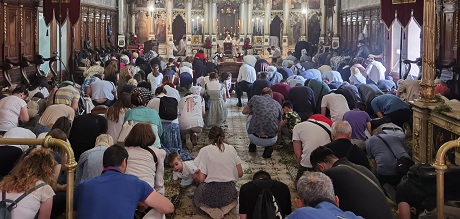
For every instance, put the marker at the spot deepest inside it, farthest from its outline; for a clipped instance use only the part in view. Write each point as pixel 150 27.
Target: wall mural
pixel 296 26
pixel 277 5
pixel 109 3
pixel 197 4
pixel 179 4
pixel 160 34
pixel 296 4
pixel 258 5
pixel 313 4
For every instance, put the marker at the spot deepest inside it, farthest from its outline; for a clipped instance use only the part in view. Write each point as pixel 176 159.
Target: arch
pixel 178 28
pixel 276 27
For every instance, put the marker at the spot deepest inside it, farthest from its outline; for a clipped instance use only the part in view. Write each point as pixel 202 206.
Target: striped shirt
pixel 65 95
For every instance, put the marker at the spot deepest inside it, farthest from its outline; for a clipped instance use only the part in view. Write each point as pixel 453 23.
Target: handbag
pixel 402 163
pixel 125 130
pixel 206 97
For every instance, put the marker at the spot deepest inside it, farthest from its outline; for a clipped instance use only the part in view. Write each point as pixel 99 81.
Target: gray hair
pixel 315 187
pixel 341 128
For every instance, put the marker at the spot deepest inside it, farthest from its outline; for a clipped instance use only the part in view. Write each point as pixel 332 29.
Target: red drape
pixel 68 7
pixel 403 12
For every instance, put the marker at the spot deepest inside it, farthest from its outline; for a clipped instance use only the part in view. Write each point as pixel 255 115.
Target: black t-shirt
pixel 8 157
pixel 250 192
pixel 340 148
pixel 356 193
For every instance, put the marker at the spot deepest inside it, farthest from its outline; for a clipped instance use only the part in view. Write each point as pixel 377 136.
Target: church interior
pixel 413 39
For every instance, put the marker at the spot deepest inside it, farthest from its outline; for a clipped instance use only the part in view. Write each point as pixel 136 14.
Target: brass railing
pixel 70 163
pixel 440 166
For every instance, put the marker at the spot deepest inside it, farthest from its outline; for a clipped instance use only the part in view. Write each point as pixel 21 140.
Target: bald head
pixel 266 91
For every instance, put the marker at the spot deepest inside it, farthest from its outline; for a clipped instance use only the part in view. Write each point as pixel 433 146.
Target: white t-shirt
pixel 376 71
pixel 188 169
pixel 42 90
pixel 312 136
pixel 142 165
pixel 218 166
pixel 10 109
pixel 101 89
pixel 172 92
pixel 114 128
pixel 19 132
pixel 29 206
pixel 154 81
pixel 191 112
pixel 337 105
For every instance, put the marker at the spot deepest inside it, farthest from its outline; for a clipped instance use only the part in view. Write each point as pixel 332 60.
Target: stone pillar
pixel 428 68
pixel 323 22
pixel 286 25
pixel 241 22
pixel 304 35
pixel 249 20
pixel 268 8
pixel 213 26
pixel 169 36
pixel 133 18
pixel 336 23
pixel 188 32
pixel 206 20
pixel 121 42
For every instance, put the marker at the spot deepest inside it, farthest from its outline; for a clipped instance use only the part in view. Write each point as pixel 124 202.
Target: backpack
pixel 168 108
pixel 5 209
pixel 36 106
pixel 266 206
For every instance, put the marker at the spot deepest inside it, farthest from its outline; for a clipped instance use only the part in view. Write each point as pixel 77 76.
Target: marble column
pixel 249 23
pixel 121 42
pixel 133 18
pixel 188 32
pixel 169 36
pixel 428 50
pixel 206 19
pixel 336 23
pixel 268 8
pixel 286 25
pixel 241 22
pixel 323 22
pixel 304 35
pixel 213 26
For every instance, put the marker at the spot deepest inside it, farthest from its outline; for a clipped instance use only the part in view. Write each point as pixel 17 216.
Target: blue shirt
pixel 111 195
pixel 145 114
pixel 386 161
pixel 324 210
pixel 387 103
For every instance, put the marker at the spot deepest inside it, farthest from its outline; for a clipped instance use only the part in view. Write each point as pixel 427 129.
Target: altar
pixel 432 129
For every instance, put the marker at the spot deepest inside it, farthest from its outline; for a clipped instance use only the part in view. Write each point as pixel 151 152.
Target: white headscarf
pixel 250 60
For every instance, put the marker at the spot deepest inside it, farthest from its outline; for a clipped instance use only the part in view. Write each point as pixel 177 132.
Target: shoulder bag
pixel 402 163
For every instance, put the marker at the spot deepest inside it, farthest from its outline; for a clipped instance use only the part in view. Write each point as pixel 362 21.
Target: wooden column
pixel 429 27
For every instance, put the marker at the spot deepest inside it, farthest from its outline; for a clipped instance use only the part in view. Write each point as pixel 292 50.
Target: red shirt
pixel 321 118
pixel 200 56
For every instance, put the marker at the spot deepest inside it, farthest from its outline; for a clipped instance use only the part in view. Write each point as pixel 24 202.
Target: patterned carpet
pixel 281 166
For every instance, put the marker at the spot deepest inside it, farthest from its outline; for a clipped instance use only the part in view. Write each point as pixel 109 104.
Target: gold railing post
pixel 441 167
pixel 70 164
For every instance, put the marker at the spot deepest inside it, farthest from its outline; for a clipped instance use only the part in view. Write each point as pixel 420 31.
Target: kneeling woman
pixel 219 168
pixel 33 179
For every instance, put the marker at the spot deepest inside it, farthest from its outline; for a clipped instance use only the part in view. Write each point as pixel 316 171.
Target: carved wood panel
pixel 28 40
pixel 2 30
pixel 12 33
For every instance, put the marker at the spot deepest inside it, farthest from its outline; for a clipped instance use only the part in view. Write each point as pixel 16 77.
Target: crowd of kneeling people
pixel 123 147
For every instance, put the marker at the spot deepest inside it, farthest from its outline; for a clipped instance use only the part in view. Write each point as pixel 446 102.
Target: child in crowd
pixel 227 80
pixel 290 119
pixel 186 170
